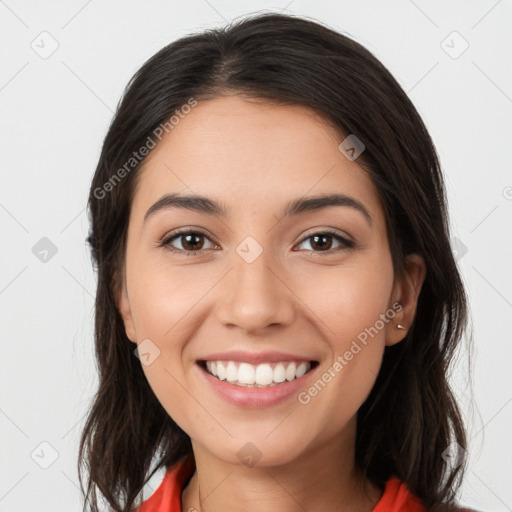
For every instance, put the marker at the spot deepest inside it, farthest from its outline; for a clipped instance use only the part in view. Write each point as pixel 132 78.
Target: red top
pixel 167 497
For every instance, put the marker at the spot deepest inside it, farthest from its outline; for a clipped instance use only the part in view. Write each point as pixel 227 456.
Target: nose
pixel 255 296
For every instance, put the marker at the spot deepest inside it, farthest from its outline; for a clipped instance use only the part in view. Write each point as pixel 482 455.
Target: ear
pixel 406 292
pixel 123 305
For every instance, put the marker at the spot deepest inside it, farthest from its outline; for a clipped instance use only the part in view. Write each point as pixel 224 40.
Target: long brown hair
pixel 411 417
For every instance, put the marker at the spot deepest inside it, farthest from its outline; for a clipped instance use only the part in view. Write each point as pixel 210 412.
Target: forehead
pixel 246 153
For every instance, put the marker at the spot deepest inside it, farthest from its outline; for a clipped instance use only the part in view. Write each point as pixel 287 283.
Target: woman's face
pixel 256 287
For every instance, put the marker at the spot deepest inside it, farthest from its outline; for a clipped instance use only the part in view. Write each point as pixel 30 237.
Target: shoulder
pixel 397 497
pixel 167 496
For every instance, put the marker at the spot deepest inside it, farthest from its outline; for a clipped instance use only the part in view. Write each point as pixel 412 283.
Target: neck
pixel 323 479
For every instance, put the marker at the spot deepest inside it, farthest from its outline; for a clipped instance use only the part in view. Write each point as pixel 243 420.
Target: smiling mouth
pixel 262 375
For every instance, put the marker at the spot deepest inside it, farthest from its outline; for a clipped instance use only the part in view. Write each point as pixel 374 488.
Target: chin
pixel 259 451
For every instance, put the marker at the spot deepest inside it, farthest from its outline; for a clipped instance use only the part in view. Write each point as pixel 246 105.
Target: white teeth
pixel 260 376
pixel 290 371
pixel 231 372
pixel 246 373
pixel 279 373
pixel 301 370
pixel 264 374
pixel 221 371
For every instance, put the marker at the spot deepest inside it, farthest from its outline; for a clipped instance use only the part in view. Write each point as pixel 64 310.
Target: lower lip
pixel 255 397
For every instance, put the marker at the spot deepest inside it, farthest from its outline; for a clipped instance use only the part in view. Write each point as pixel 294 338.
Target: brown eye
pixel 323 242
pixel 190 242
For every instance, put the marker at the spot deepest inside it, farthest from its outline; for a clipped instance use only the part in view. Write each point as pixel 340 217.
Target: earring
pixel 400 326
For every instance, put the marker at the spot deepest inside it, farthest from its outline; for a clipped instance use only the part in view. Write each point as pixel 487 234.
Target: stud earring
pixel 400 326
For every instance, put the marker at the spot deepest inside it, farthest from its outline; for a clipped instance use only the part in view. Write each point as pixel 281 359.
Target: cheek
pixel 161 301
pixel 166 309
pixel 350 305
pixel 347 300
pixel 162 297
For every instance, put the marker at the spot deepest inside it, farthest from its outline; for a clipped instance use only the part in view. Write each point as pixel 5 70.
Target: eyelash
pixel 348 244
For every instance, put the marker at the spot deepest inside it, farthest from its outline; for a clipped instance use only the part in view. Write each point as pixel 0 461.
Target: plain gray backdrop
pixel 63 68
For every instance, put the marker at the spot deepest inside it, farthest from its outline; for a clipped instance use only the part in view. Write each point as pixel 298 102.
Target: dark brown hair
pixel 411 417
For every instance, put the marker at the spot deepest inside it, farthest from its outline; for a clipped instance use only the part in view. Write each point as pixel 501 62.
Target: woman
pixel 277 300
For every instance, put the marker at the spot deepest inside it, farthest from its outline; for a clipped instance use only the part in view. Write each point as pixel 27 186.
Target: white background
pixel 54 113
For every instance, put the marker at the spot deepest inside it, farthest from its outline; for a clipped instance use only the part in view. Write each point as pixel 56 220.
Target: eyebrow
pixel 295 207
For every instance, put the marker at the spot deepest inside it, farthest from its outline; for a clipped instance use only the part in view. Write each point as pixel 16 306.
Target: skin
pixel 254 157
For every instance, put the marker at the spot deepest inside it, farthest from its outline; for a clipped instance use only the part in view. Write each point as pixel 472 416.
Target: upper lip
pixel 254 357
